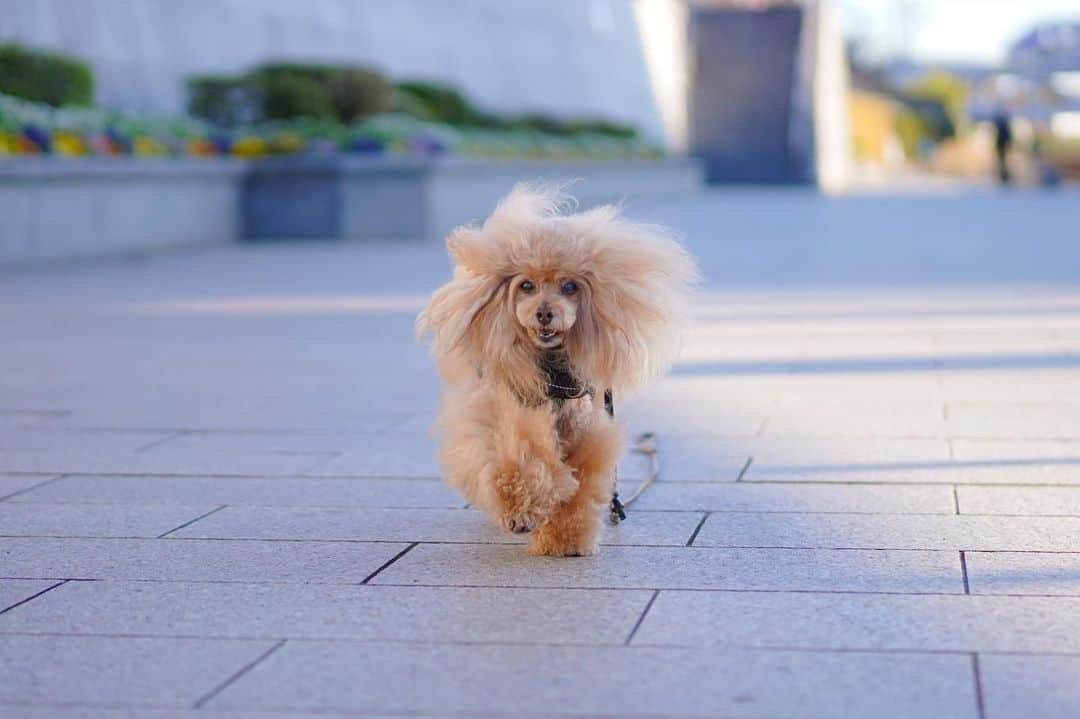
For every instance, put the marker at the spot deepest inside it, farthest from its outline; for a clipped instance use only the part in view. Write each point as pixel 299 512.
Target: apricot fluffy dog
pixel 546 311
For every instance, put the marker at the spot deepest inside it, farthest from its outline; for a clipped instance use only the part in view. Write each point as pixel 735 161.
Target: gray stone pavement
pixel 218 497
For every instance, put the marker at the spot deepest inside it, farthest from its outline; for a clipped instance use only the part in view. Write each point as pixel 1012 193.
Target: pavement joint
pixel 32 597
pixel 201 702
pixel 389 562
pixel 190 522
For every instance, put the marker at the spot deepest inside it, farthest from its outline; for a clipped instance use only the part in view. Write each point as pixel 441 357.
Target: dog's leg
pixel 530 478
pixel 574 527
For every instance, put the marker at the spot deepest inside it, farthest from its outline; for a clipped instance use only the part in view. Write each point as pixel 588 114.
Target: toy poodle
pixel 547 312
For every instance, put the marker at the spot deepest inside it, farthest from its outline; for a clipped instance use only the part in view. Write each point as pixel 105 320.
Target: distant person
pixel 1003 139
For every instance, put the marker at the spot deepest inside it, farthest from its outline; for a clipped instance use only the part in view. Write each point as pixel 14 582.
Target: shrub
pixel 317 72
pixel 357 92
pixel 297 89
pixel 948 91
pixel 596 126
pixel 287 96
pixel 224 100
pixel 443 103
pixel 46 77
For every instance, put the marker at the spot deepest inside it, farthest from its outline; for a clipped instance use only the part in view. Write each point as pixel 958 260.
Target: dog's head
pixel 533 278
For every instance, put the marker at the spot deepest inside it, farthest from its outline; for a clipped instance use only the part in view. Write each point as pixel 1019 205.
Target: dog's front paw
pixel 521 523
pixel 558 542
pixel 519 510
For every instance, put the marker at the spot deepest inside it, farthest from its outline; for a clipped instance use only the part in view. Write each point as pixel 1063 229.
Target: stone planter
pixel 389 198
pixel 68 208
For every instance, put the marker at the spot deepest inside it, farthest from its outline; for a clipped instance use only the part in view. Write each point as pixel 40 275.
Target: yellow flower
pixel 68 144
pixel 287 142
pixel 249 147
pixel 146 146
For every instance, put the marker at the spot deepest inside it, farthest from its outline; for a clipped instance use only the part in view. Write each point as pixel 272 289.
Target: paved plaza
pixel 219 497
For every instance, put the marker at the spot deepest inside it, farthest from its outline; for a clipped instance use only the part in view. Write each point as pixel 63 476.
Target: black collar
pixel 562 383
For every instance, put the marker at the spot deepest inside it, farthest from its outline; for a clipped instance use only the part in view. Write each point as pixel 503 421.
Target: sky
pixel 977 31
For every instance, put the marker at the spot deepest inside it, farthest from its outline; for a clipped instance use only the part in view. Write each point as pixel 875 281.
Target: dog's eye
pixel 527 286
pixel 569 287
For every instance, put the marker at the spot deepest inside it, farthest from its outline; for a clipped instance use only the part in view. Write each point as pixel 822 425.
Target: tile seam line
pixel 201 702
pixel 745 467
pixel 619 645
pixel 142 449
pixel 976 672
pixel 697 529
pixel 641 619
pixel 190 522
pixel 389 563
pixel 54 478
pixel 34 596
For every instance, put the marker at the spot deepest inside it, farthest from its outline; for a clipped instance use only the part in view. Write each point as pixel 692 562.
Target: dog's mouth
pixel 548 336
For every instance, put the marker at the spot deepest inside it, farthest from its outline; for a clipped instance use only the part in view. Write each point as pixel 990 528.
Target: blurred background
pixel 831 92
pixel 874 424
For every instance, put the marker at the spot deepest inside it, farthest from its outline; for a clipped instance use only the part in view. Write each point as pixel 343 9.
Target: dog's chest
pixel 571 419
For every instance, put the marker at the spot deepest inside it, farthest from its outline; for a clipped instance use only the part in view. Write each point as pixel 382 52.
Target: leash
pixel 563 385
pixel 645 444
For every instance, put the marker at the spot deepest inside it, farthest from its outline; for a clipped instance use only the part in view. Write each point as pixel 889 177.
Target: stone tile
pixel 697 415
pixel 281 442
pixel 249 491
pixel 995 449
pixel 1019 500
pixel 12 483
pixel 877 424
pixel 306 611
pixel 413 525
pixel 130 671
pixel 193 560
pixel 782 452
pixel 747 497
pixel 69 520
pixel 1012 420
pixel 586 681
pixel 1030 687
pixel 389 455
pixel 28 419
pixel 1039 386
pixel 935 472
pixel 75 712
pixel 681 568
pixel 50 440
pixel 78 461
pixel 1023 573
pixel 13 591
pixel 683 459
pixel 890 622
pixel 912 531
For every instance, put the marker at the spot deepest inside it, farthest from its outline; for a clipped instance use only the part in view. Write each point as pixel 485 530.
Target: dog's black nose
pixel 544 315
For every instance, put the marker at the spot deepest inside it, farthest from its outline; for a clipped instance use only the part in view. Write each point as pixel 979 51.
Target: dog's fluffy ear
pixel 459 316
pixel 469 250
pixel 634 308
pixel 471 323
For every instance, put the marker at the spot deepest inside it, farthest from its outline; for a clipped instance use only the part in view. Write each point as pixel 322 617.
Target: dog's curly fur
pixel 611 292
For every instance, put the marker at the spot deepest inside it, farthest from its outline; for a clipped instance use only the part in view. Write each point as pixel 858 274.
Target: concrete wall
pixel 64 209
pixel 766 92
pixel 417 199
pixel 560 56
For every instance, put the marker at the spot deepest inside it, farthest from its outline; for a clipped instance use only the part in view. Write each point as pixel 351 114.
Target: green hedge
pixel 288 90
pixel 442 103
pixel 46 77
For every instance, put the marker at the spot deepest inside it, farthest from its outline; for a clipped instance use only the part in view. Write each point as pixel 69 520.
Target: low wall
pixel 415 198
pixel 70 208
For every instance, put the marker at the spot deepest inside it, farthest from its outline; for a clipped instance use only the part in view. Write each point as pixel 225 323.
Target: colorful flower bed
pixel 35 129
